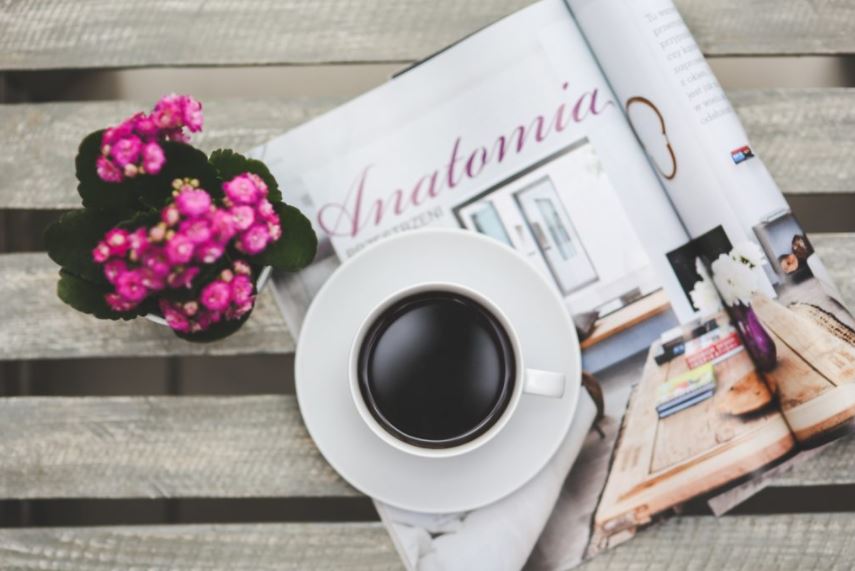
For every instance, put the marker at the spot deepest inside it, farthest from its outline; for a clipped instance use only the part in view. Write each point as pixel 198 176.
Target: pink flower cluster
pixel 192 232
pixel 229 297
pixel 132 147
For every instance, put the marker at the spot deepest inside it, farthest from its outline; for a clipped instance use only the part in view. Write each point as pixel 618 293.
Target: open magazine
pixel 592 137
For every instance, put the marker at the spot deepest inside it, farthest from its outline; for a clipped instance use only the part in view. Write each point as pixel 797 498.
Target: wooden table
pixel 255 446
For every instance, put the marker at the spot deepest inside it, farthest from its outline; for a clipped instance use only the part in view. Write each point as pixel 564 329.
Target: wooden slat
pixel 126 33
pixel 804 135
pixel 35 324
pixel 160 447
pixel 317 546
pixel 39 326
pixel 833 466
pixel 837 252
pixel 737 543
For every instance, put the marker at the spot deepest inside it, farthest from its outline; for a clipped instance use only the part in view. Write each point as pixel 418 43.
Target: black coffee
pixel 436 369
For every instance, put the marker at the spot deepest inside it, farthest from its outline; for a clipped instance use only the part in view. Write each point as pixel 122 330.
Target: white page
pixel 664 84
pixel 399 141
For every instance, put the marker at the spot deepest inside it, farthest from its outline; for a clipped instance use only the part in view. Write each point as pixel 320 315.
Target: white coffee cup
pixel 525 381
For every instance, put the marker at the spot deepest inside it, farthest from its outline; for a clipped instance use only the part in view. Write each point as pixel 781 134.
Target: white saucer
pixel 436 485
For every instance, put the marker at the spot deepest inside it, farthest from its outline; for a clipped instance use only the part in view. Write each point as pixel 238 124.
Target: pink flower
pixel 101 253
pixel 121 131
pixel 130 286
pixel 259 184
pixel 193 114
pixel 118 303
pixel 152 280
pixel 275 231
pixel 138 241
pixel 144 126
pixel 170 215
pixel 207 318
pixel 216 295
pixel 168 113
pixel 174 318
pixel 243 217
pixel 242 190
pixel 183 277
pixel 222 225
pixel 157 233
pixel 238 311
pixel 113 269
pixel 117 240
pixel 134 145
pixel 241 267
pixel 209 252
pixel 197 230
pixel 254 240
pixel 265 211
pixel 241 289
pixel 126 151
pixel 107 171
pixel 156 261
pixel 152 158
pixel 193 203
pixel 179 249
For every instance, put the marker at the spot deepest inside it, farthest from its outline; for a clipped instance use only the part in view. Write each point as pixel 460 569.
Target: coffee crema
pixel 436 369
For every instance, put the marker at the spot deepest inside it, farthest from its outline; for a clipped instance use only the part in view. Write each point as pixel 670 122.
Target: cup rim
pixel 385 435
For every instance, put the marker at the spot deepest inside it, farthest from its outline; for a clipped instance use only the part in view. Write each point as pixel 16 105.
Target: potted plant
pixel 171 233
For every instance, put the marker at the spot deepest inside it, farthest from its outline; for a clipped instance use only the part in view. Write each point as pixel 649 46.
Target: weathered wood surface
pixel 160 447
pixel 104 33
pixel 737 543
pixel 837 252
pixel 292 546
pixel 35 324
pixel 803 135
pixel 39 326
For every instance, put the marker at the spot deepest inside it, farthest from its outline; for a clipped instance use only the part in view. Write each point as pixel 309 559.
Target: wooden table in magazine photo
pixel 752 421
pixel 149 464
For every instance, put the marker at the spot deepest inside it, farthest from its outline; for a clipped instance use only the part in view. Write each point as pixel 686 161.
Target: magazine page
pixel 516 134
pixel 747 242
pixel 750 263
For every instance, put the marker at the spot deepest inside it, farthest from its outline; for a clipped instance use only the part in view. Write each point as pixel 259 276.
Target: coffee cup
pixel 436 370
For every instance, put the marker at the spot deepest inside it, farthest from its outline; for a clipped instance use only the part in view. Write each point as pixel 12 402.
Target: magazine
pixel 593 138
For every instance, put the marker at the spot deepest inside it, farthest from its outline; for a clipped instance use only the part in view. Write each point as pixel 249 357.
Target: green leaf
pixel 182 161
pixel 97 193
pixel 70 241
pixel 230 164
pixel 297 246
pixel 87 297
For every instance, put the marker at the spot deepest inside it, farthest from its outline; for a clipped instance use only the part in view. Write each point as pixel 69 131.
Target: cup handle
pixel 544 383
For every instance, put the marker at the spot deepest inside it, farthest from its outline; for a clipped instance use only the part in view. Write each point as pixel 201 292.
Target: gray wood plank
pixel 804 135
pixel 160 447
pixel 35 324
pixel 125 33
pixel 42 140
pixel 317 546
pixel 39 326
pixel 737 543
pixel 837 251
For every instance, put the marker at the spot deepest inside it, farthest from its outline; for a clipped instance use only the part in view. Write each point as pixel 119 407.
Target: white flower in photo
pixel 705 297
pixel 734 280
pixel 747 252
